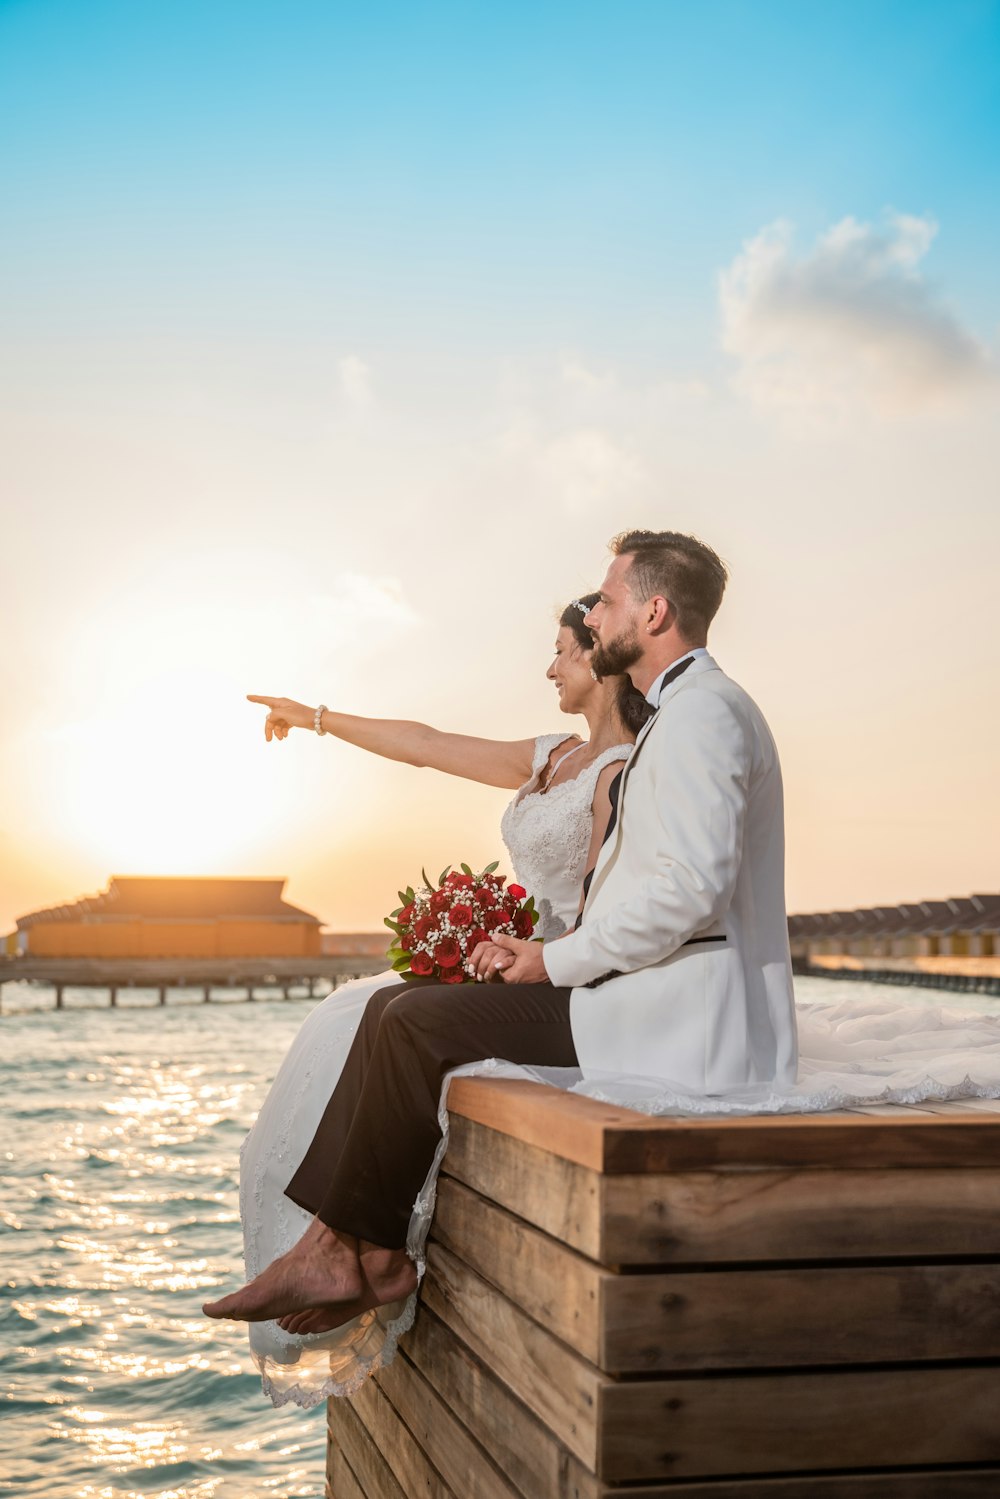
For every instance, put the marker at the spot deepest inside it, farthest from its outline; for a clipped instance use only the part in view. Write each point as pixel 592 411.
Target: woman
pixel 552 830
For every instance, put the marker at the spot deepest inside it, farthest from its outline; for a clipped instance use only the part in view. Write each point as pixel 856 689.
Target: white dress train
pixel 854 1048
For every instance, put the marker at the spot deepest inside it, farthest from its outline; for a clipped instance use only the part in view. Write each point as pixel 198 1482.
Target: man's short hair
pixel 680 568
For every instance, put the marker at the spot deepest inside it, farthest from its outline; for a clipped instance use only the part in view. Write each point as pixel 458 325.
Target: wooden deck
pixel 762 1308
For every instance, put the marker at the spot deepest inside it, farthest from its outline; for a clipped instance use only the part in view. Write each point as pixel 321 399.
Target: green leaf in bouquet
pixel 423 875
pixel 403 961
pixel 492 868
pixel 446 871
pixel 465 869
pixel 403 901
pixel 410 894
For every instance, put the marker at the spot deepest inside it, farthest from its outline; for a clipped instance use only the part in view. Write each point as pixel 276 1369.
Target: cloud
pixel 852 321
pixel 355 384
pixel 579 465
pixel 360 609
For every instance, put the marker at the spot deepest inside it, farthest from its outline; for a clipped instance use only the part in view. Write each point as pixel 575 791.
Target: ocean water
pixel 119 1216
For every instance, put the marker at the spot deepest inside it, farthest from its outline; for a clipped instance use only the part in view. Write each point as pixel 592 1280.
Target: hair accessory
pixel 583 608
pixel 318 719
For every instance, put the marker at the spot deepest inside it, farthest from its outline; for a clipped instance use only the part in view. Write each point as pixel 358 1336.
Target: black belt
pixel 616 973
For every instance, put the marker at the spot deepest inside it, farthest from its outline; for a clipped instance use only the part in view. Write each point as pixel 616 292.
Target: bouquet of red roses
pixel 438 927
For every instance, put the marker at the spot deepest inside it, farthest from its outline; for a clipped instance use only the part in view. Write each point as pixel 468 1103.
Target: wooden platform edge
pixel 617 1141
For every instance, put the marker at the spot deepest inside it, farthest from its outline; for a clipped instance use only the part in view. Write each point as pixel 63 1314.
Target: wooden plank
pixel 412 1469
pixel 561 1388
pixel 461 1461
pixel 727 1217
pixel 616 1141
pixel 559 1195
pixel 519 1443
pixel 802 1215
pixel 942 1483
pixel 982 1105
pixel 358 1454
pixel 729 1319
pixel 771 1424
pixel 892 1110
pixel 759 1319
pixel 557 1287
pixel 342 1484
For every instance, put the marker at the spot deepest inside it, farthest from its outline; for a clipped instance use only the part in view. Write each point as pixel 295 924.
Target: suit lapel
pixel 609 852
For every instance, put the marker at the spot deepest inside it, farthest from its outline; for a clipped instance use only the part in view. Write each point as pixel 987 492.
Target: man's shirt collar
pixel 653 695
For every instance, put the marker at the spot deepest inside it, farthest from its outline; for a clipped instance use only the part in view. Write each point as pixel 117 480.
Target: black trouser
pixel 376 1141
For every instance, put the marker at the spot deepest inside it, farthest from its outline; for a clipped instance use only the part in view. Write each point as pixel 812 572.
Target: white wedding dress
pixel 851 1051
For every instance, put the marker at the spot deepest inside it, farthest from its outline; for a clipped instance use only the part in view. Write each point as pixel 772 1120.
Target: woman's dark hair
pixel 633 708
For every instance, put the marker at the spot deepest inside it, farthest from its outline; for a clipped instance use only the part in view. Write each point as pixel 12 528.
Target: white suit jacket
pixel 680 968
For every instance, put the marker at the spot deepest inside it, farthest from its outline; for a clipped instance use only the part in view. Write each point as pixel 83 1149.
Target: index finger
pixel 268 702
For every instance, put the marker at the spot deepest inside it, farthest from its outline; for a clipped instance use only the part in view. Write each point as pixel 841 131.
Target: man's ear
pixel 660 614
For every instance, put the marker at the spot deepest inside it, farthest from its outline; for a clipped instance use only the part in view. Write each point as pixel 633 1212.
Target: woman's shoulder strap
pixel 544 745
pixel 609 756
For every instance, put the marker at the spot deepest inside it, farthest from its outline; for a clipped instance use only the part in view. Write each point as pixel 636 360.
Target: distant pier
pixel 310 976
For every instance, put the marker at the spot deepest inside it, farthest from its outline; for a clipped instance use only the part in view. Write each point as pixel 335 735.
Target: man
pixel 679 967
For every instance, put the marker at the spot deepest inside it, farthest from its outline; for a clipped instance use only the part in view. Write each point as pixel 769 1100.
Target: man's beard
pixel 612 658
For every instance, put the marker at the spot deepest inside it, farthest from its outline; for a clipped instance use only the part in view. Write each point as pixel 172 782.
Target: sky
pixel 337 341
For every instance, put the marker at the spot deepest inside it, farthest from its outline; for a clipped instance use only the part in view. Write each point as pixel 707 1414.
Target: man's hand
pixel 528 966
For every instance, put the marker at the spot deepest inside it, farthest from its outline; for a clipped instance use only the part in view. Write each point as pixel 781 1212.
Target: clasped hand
pixel 510 959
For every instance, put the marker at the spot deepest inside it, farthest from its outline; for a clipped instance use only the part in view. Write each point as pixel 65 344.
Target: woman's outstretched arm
pixel 494 762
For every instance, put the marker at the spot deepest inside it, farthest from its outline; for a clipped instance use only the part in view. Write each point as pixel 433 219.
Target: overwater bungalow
pixel 168 917
pixel 955 940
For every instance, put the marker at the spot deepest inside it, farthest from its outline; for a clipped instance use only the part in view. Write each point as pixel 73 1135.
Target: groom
pixel 678 969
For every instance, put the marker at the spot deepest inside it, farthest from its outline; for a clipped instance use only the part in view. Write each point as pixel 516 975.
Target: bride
pixel 552 830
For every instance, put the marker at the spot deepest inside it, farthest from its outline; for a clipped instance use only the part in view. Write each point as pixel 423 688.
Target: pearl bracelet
pixel 318 719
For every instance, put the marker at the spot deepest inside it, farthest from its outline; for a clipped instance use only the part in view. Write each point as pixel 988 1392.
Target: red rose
pixel 423 927
pixel 523 925
pixel 406 940
pixel 460 881
pixel 440 901
pixel 475 937
pixel 447 953
pixel 485 896
pixel 517 891
pixel 405 914
pixel 453 976
pixel 461 915
pixel 421 964
pixel 493 919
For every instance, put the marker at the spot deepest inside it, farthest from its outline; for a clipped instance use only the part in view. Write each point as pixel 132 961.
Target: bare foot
pixel 321 1271
pixel 388 1274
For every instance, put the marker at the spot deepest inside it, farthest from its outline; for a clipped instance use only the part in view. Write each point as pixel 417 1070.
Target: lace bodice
pixel 548 836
